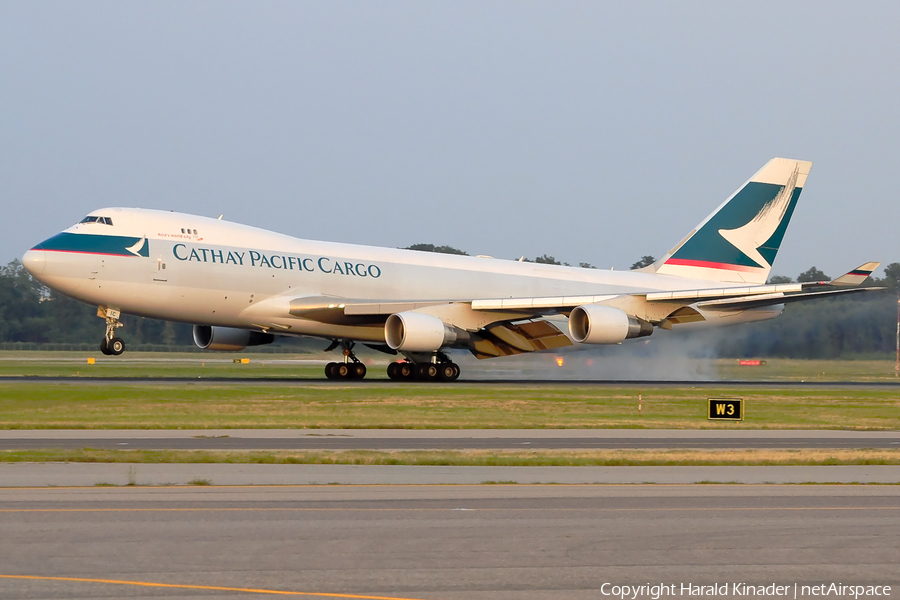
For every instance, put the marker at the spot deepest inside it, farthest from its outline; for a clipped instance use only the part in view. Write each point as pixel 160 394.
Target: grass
pixel 431 406
pixel 543 458
pixel 317 403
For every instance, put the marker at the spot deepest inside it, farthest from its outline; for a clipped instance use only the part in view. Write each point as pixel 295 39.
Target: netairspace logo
pixel 742 590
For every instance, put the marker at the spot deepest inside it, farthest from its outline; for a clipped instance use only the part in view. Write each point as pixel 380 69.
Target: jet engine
pixel 597 324
pixel 418 332
pixel 229 339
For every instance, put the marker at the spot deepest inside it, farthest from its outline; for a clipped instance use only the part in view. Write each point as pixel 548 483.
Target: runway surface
pixel 649 384
pixel 440 542
pixel 385 439
pixel 59 474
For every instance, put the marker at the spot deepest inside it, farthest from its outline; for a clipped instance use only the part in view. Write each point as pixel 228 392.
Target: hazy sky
pixel 591 131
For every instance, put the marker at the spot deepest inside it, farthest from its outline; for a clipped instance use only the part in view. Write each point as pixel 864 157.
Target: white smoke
pixel 663 356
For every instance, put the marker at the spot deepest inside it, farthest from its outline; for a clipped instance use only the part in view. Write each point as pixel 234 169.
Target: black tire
pixel 329 370
pixel 406 370
pixel 448 372
pixel 427 372
pixel 358 370
pixel 393 371
pixel 103 347
pixel 115 346
pixel 342 371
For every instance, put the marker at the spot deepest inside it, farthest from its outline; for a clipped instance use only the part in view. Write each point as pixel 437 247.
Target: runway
pixel 623 383
pixel 76 474
pixel 440 542
pixel 384 439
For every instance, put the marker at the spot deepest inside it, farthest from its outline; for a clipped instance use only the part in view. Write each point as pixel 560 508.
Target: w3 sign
pixel 727 409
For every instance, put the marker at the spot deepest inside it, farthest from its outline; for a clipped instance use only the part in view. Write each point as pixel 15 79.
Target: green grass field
pixel 429 406
pixel 309 401
pixel 476 458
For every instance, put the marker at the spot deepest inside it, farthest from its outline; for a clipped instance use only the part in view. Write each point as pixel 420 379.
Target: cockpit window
pixel 101 220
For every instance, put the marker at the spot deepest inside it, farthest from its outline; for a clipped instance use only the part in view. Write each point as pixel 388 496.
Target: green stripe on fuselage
pixel 115 245
pixel 709 246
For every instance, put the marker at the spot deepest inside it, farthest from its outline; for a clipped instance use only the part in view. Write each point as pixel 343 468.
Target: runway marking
pixel 203 587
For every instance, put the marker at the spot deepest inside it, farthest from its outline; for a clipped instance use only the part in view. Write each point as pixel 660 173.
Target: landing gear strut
pixel 351 368
pixel 439 368
pixel 111 345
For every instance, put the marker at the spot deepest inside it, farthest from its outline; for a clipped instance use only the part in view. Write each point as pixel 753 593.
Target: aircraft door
pixel 158 269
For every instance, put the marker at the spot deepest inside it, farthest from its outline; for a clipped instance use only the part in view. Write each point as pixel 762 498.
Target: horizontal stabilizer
pixel 856 276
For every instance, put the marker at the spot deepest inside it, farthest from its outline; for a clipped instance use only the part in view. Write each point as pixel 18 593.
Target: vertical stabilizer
pixel 738 242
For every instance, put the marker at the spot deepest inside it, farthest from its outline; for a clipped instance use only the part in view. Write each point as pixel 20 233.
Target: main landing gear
pixel 440 368
pixel 111 344
pixel 351 368
pixel 416 367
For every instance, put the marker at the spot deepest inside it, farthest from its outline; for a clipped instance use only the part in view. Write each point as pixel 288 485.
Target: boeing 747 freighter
pixel 242 286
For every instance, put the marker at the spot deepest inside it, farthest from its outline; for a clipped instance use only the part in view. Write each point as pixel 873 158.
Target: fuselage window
pixel 107 220
pixel 90 219
pixel 182 230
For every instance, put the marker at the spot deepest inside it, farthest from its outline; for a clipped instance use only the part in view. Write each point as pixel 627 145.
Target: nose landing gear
pixel 351 368
pixel 111 344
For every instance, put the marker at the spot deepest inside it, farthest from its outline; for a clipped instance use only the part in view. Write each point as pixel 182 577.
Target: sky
pixel 591 131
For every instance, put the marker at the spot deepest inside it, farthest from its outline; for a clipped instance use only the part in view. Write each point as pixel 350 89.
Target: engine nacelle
pixel 597 324
pixel 229 339
pixel 418 332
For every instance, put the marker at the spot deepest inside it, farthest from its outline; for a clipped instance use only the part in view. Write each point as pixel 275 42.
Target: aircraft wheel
pixel 115 346
pixel 341 371
pixel 358 370
pixel 427 372
pixel 405 370
pixel 448 372
pixel 329 370
pixel 103 348
pixel 393 371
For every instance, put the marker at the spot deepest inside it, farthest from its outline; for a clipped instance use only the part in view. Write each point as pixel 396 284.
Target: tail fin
pixel 738 242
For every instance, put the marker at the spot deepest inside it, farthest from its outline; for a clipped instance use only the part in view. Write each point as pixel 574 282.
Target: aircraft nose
pixel 34 261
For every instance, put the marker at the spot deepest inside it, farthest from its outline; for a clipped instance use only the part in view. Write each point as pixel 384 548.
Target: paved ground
pixel 393 439
pixel 440 542
pixel 91 474
pixel 481 380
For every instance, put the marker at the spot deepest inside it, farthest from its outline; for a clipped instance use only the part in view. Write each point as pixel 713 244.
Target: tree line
pixel 852 326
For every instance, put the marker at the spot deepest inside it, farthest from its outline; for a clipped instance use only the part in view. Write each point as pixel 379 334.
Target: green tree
pixel 891 277
pixel 775 279
pixel 22 313
pixel 645 261
pixel 546 259
pixel 812 274
pixel 439 249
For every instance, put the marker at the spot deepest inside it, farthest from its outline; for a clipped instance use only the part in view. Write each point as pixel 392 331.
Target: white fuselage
pixel 199 270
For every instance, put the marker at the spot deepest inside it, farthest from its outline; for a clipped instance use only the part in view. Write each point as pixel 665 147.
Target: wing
pixel 505 326
pixel 492 333
pixel 665 309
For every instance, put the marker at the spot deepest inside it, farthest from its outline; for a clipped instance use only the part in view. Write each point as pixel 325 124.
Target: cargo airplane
pixel 243 286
